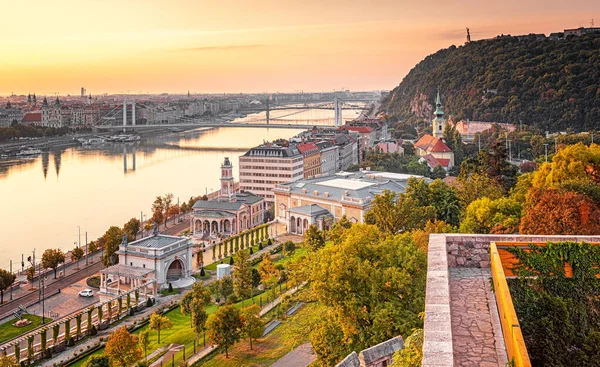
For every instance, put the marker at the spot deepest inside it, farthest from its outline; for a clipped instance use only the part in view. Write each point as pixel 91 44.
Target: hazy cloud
pixel 222 48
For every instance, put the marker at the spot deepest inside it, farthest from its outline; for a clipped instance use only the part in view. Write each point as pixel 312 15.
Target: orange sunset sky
pixel 207 46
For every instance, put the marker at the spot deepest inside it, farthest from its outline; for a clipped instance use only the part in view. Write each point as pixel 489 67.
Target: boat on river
pixel 28 151
pixel 124 138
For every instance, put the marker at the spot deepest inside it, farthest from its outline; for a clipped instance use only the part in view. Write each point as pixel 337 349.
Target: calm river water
pixel 46 198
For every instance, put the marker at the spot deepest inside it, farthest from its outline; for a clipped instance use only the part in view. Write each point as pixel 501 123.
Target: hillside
pixel 552 84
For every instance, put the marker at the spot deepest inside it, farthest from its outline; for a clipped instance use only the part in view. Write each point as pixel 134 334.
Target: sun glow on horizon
pixel 253 46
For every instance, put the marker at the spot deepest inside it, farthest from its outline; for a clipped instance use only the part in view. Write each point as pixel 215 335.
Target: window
pixel 144 266
pixel 130 264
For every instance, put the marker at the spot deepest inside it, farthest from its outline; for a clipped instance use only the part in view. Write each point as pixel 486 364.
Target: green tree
pixel 314 238
pixel 112 239
pixel 475 186
pixel 242 282
pixel 132 227
pixel 252 325
pixel 185 305
pixel 226 286
pixel 395 213
pixel 199 316
pixel 255 278
pixel 327 340
pixel 336 233
pixel 268 273
pixel 144 341
pixel 97 361
pixel 412 353
pixel 492 216
pixel 6 281
pixel 77 254
pixel 224 327
pixel 359 282
pixel 445 201
pixel 51 258
pixel 31 275
pixel 122 348
pixel 159 322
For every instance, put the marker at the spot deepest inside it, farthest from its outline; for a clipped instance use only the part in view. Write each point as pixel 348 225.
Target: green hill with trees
pixel 550 84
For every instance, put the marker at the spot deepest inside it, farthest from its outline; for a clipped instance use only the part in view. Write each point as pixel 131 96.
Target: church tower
pixel 227 189
pixel 438 123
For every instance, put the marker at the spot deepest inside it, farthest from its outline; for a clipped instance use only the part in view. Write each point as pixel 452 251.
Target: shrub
pixel 170 288
pixel 231 260
pixel 70 342
pixel 131 312
pixel 48 353
pixel 149 302
pixel 260 246
pixel 251 251
pixel 93 330
pixel 276 249
pixel 269 242
pixel 202 273
pixel 232 299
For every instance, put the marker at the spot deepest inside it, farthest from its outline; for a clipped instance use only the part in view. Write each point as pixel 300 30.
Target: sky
pixel 216 46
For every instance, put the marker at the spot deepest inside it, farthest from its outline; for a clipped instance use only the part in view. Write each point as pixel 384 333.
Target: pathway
pixel 475 325
pixel 302 356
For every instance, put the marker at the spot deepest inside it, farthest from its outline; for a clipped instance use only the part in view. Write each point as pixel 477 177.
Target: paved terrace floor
pixel 475 322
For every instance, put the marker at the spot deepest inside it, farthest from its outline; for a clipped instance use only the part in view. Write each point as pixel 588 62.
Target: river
pixel 46 198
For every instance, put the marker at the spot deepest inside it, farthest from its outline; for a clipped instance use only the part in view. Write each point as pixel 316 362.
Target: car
pixel 86 293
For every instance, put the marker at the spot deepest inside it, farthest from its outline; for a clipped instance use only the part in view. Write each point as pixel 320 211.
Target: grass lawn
pixel 278 343
pixel 8 331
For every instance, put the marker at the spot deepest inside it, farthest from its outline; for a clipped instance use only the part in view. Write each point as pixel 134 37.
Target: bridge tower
pixel 337 108
pixel 125 104
pixel 268 111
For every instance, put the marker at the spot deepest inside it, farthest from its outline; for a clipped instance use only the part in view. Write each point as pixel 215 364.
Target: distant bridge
pixel 211 124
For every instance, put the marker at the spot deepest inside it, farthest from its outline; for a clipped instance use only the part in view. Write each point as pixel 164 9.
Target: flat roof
pixel 347 184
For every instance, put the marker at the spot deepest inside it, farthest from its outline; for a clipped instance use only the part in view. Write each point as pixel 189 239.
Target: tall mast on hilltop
pixel 468 35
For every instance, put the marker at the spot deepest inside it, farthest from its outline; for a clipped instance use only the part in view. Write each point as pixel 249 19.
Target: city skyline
pixel 260 46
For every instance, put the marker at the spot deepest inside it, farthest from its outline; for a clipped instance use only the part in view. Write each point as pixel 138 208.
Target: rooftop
pixel 310 210
pixel 157 241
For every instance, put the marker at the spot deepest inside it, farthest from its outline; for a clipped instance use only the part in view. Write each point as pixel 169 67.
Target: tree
pixel 242 283
pixel 92 247
pixel 51 258
pixel 159 322
pixel 112 239
pixel 359 282
pixel 6 361
pixel 476 185
pixel 158 210
pixel 252 325
pixel 132 228
pixel 199 316
pixel 336 233
pixel 412 353
pixel 255 278
pixel 144 341
pixel 168 204
pixel 492 216
pixel 327 340
pixel 438 172
pixel 314 238
pixel 224 327
pixel 122 348
pixel 444 200
pixel 31 275
pixel 77 254
pixel 97 361
pixel 551 212
pixel 267 270
pixel 573 163
pixel 185 305
pixel 395 213
pixel 226 284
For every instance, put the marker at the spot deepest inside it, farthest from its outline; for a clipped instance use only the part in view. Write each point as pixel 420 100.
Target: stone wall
pixel 473 251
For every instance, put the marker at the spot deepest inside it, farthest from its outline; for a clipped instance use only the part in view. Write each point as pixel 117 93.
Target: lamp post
pixel 86 250
pixel 43 283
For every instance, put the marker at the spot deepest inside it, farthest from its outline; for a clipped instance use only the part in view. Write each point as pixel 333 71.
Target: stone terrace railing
pixel 459 250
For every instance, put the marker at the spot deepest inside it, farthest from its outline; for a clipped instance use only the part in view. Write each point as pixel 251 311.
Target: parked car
pixel 86 293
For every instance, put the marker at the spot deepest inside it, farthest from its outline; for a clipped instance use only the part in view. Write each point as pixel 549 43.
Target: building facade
pixel 265 166
pixel 160 258
pixel 330 154
pixel 312 159
pixel 324 200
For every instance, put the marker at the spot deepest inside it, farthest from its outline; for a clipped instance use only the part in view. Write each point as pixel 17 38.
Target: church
pixel 231 213
pixel 431 148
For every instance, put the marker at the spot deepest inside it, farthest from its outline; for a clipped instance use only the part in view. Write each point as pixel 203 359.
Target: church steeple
pixel 45 103
pixel 438 123
pixel 227 190
pixel 8 105
pixel 57 102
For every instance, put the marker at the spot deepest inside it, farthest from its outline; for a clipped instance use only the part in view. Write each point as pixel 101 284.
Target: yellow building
pixel 321 201
pixel 312 159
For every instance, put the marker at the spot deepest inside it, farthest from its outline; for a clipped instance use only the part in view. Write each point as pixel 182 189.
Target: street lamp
pixel 43 280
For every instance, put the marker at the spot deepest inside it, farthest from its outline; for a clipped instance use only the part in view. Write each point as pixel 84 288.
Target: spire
pixel 438 104
pixel 8 105
pixel 45 103
pixel 56 102
pixel 34 98
pixel 29 98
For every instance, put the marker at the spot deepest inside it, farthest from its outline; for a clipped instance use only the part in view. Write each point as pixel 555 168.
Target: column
pixel 124 114
pixel 133 113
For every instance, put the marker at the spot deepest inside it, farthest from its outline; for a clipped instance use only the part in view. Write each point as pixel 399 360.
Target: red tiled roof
pixel 431 144
pixel 359 129
pixel 307 148
pixel 32 117
pixel 434 162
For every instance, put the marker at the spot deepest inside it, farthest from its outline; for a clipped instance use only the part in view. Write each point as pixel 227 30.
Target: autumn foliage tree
pixel 132 227
pixel 122 348
pixel 554 212
pixel 224 327
pixel 112 239
pixel 6 280
pixel 159 322
pixel 51 258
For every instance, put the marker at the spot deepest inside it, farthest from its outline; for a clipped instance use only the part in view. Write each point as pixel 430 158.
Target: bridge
pixel 190 122
pixel 210 124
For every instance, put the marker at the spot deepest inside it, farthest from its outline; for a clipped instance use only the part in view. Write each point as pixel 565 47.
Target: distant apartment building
pixel 312 159
pixel 346 141
pixel 9 115
pixel 265 166
pixel 390 146
pixel 367 137
pixel 330 155
pixel 468 129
